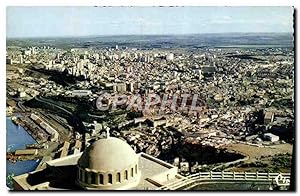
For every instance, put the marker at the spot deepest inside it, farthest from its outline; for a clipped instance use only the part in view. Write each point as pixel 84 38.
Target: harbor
pixel 18 138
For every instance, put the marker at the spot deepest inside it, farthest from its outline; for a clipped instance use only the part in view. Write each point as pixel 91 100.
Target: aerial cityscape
pixel 150 98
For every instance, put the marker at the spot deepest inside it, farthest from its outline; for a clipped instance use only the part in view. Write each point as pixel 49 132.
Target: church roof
pixel 108 154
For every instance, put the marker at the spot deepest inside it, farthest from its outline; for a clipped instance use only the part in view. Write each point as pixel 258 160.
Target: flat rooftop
pixel 60 174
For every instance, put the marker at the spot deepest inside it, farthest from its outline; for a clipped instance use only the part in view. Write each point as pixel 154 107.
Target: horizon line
pixel 115 35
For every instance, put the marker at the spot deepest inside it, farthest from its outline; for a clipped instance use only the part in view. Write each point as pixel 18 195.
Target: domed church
pixel 107 164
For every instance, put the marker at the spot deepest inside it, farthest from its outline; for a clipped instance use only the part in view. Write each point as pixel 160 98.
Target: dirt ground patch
pixel 260 158
pixel 255 152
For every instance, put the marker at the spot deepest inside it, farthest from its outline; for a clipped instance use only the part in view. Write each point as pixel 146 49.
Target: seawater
pixel 17 138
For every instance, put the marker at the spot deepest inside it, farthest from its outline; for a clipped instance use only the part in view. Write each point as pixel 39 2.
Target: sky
pixel 85 21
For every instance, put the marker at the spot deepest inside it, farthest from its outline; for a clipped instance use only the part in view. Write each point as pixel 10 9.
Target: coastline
pixel 21 123
pixel 16 138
